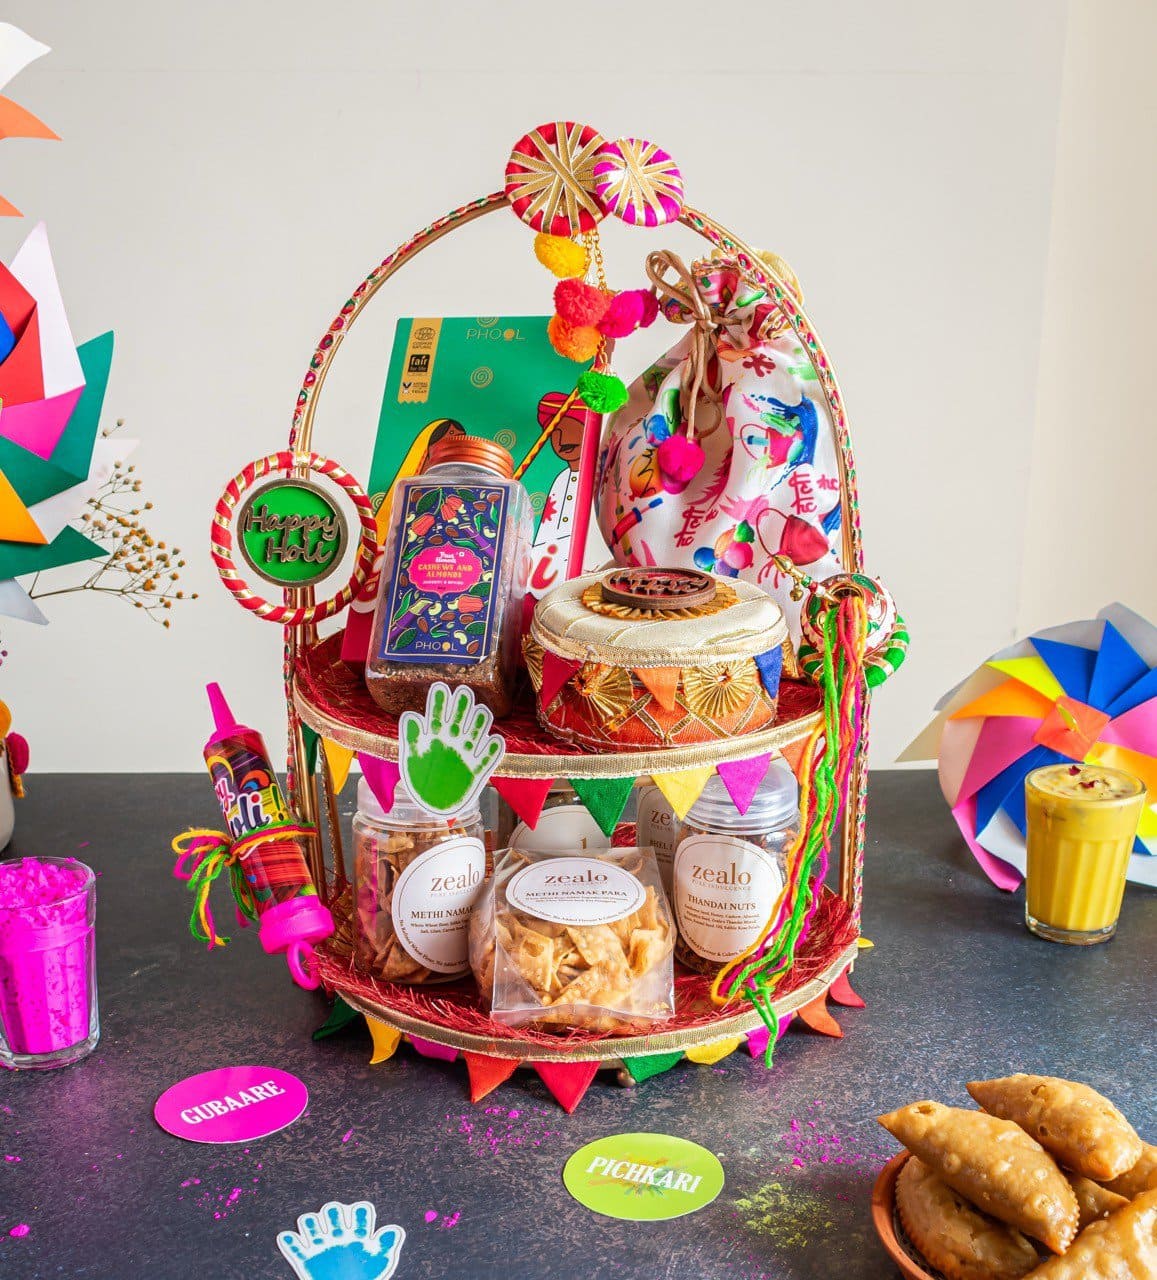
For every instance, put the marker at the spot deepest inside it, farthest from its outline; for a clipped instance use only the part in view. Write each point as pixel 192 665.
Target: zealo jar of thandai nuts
pixel 729 868
pixel 416 880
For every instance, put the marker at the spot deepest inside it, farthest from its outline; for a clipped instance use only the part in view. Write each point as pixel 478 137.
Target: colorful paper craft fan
pixel 51 392
pixel 1085 691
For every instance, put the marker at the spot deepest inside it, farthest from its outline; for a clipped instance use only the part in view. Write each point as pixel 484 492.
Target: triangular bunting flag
pixel 340 1017
pixel 651 1064
pixel 682 789
pixel 770 666
pixel 757 1039
pixel 556 672
pixel 816 1016
pixel 525 796
pixel 311 738
pixel 841 992
pixel 339 759
pixel 386 1040
pixel 706 1055
pixel 605 799
pixel 567 1081
pixel 742 779
pixel 661 682
pixel 428 1049
pixel 793 754
pixel 382 778
pixel 487 1073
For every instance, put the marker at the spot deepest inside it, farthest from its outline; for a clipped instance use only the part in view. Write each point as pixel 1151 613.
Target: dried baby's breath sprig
pixel 138 568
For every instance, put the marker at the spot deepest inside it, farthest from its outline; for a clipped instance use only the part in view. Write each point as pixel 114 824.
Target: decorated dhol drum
pixel 638 659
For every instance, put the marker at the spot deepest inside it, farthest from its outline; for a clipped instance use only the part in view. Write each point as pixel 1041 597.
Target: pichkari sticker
pixel 643 1177
pixel 231 1104
pixel 342 1242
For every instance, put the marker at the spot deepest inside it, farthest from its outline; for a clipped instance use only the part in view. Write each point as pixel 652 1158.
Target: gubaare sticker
pixel 433 900
pixel 231 1104
pixel 576 891
pixel 643 1177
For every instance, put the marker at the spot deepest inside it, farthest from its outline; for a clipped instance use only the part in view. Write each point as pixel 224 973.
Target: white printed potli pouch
pixel 724 454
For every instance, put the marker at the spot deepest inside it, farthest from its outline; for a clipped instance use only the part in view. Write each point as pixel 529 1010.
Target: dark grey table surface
pixel 955 988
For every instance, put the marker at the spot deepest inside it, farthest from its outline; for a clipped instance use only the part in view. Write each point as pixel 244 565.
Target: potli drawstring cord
pixel 826 766
pixel 202 855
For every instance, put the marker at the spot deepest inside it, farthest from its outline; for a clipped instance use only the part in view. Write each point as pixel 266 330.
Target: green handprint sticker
pixel 447 756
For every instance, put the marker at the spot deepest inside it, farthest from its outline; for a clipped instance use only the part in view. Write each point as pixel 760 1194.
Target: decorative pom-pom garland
pixel 579 303
pixel 560 256
pixel 680 461
pixel 576 342
pixel 602 392
pixel 624 314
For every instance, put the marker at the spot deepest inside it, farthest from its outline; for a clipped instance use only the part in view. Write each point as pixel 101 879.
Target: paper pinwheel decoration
pixel 51 392
pixel 1085 691
pixel 17 50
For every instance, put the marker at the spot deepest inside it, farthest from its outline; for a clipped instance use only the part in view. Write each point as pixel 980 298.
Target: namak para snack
pixel 1082 1129
pixel 955 1237
pixel 994 1164
pixel 575 941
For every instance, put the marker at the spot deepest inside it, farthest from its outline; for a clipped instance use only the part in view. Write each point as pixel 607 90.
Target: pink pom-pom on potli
pixel 650 308
pixel 624 314
pixel 580 304
pixel 680 461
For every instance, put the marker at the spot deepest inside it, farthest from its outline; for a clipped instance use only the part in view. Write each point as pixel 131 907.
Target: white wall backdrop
pixel 230 171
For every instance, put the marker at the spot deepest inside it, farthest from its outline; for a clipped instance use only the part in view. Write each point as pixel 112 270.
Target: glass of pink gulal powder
pixel 48 1008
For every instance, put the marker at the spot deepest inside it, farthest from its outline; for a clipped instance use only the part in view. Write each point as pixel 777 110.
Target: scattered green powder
pixel 791 1217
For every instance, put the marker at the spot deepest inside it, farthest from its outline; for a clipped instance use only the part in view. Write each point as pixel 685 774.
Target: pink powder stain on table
pixel 810 1146
pixel 431 1215
pixel 499 1128
pixel 21 1229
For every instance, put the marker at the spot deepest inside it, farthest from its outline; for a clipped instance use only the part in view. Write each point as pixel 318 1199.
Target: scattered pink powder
pixel 12 1159
pixel 452 1220
pixel 503 1128
pixel 349 1133
pixel 431 1215
pixel 21 1229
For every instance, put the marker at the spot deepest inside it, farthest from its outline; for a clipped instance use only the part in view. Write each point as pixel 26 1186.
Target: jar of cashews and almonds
pixel 583 940
pixel 417 878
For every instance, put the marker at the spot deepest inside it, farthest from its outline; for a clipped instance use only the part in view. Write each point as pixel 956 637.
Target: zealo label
pixel 582 891
pixel 725 889
pixel 433 900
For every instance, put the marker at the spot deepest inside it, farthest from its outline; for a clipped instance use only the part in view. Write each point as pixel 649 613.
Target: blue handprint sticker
pixel 341 1243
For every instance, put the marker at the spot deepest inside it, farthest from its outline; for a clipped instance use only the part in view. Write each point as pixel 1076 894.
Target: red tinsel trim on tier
pixel 339 691
pixel 459 1007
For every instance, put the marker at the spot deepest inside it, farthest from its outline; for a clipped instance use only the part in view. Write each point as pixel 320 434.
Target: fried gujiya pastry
pixel 993 1163
pixel 1141 1177
pixel 1083 1130
pixel 1122 1246
pixel 1093 1200
pixel 957 1239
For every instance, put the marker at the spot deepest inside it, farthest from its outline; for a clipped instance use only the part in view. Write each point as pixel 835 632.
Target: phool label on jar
pixel 441 584
pixel 432 903
pixel 725 889
pixel 564 829
pixel 578 891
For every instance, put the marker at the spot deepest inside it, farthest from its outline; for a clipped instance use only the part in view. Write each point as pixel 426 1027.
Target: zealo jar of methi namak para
pixel 453 579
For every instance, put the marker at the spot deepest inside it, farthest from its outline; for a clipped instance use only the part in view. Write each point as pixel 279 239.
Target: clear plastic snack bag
pixel 583 940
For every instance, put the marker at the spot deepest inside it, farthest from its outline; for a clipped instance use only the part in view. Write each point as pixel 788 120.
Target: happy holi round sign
pixel 290 533
pixel 231 1104
pixel 643 1177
